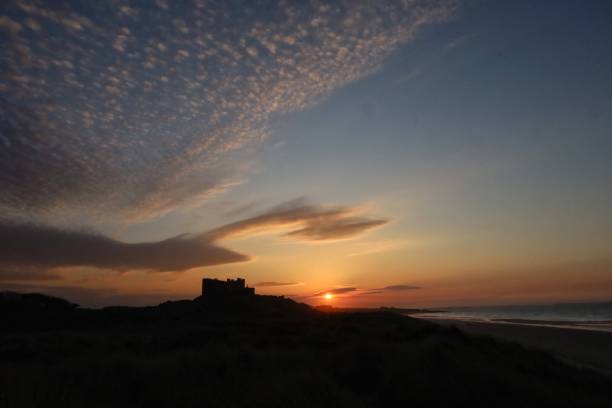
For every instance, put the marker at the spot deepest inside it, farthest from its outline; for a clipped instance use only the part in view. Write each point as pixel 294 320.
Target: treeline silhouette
pixel 265 351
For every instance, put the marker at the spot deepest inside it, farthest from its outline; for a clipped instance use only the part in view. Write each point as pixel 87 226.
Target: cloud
pixel 338 228
pixel 306 222
pixel 368 248
pixel 102 119
pixel 339 291
pixel 240 209
pixel 355 291
pixel 460 41
pixel 20 273
pixel 390 288
pixel 274 284
pixel 30 251
pixel 33 246
pixel 395 288
pixel 335 291
pixel 10 26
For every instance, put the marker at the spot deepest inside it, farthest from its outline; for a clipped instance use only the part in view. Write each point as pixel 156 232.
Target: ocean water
pixel 575 312
pixel 592 316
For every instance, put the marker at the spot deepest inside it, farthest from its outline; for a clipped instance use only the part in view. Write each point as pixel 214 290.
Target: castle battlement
pixel 230 287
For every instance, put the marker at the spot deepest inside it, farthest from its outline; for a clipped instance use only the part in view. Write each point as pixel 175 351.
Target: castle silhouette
pixel 215 288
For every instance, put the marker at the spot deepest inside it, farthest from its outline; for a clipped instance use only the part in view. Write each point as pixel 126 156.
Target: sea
pixel 586 316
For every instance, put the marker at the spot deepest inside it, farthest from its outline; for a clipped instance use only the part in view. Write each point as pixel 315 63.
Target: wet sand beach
pixel 580 347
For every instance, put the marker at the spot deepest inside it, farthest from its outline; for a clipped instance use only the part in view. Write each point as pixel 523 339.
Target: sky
pixel 399 153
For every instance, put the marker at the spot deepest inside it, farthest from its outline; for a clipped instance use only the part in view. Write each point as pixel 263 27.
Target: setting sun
pixel 328 296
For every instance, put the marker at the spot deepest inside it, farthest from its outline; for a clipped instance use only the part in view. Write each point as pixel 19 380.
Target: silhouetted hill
pixel 22 302
pixel 33 312
pixel 272 352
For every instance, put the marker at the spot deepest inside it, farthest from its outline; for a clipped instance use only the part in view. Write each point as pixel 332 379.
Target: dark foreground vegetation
pixel 266 352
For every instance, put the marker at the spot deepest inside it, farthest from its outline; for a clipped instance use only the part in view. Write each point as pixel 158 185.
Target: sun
pixel 328 296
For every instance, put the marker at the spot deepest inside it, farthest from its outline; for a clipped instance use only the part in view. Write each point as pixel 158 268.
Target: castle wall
pixel 230 287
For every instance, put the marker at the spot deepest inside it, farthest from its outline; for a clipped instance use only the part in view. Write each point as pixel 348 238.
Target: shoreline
pixel 589 325
pixel 583 348
pixel 604 326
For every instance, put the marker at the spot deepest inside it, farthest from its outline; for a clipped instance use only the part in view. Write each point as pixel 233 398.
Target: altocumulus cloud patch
pixel 131 109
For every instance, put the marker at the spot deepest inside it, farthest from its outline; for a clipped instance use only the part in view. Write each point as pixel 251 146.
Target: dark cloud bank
pixel 46 247
pixel 29 251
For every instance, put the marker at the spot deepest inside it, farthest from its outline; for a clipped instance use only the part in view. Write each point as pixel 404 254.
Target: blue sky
pixel 494 120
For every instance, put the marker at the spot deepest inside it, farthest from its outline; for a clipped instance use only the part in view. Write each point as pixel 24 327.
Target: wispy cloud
pixel 33 246
pixel 133 110
pixel 395 288
pixel 368 248
pixel 335 291
pixel 240 209
pixel 460 41
pixel 390 288
pixel 31 251
pixel 356 291
pixel 21 273
pixel 305 221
